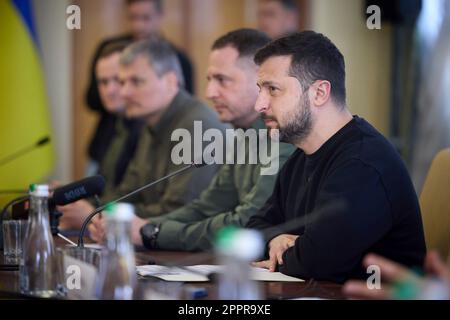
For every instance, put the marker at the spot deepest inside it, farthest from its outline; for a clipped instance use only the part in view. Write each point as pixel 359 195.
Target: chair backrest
pixel 435 204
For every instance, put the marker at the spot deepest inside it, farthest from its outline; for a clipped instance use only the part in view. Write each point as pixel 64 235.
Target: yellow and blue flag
pixel 24 112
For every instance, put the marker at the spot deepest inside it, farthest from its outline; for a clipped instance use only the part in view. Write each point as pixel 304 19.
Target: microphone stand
pixel 100 209
pixel 23 151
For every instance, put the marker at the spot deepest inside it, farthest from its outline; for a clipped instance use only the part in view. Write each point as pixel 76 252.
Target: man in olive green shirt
pixel 151 82
pixel 238 190
pixel 153 161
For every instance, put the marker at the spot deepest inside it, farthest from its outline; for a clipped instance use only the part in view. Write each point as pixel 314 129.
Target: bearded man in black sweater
pixel 345 192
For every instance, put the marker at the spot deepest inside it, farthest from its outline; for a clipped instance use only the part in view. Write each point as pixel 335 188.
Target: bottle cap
pixel 244 244
pixel 39 190
pixel 120 211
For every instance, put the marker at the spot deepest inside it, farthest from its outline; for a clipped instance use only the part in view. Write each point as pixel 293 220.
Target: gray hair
pixel 160 54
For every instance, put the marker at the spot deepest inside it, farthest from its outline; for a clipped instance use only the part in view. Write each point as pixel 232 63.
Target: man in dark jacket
pixel 345 191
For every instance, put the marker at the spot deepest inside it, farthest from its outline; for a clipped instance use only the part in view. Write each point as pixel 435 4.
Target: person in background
pixel 278 18
pixel 403 283
pixel 152 89
pixel 145 19
pixel 345 191
pixel 238 190
pixel 126 133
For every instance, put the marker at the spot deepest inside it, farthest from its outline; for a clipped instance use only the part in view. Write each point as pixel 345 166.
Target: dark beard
pixel 299 127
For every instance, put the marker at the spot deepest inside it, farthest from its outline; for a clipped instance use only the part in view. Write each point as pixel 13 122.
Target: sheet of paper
pixel 260 274
pixel 199 273
pixel 206 269
pixel 171 274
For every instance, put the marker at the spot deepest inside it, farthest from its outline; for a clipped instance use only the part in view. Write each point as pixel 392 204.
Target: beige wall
pixel 367 55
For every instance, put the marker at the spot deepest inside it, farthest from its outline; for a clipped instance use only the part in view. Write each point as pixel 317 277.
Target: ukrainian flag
pixel 24 114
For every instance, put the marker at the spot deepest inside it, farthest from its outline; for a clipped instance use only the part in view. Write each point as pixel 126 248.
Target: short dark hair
pixel 158 4
pixel 112 48
pixel 314 57
pixel 290 5
pixel 246 41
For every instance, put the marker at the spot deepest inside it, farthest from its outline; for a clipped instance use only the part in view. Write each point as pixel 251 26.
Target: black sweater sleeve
pixel 322 252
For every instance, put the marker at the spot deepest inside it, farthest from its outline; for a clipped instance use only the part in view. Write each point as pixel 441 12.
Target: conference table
pixel 9 280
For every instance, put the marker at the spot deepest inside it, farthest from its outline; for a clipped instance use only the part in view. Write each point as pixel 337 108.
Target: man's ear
pixel 321 92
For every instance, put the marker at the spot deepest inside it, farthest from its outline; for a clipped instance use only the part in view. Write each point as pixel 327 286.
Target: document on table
pixel 261 274
pixel 200 273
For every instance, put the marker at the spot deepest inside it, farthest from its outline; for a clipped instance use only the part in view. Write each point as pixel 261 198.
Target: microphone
pixel 40 143
pixel 43 141
pixel 128 195
pixel 84 188
pixel 72 192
